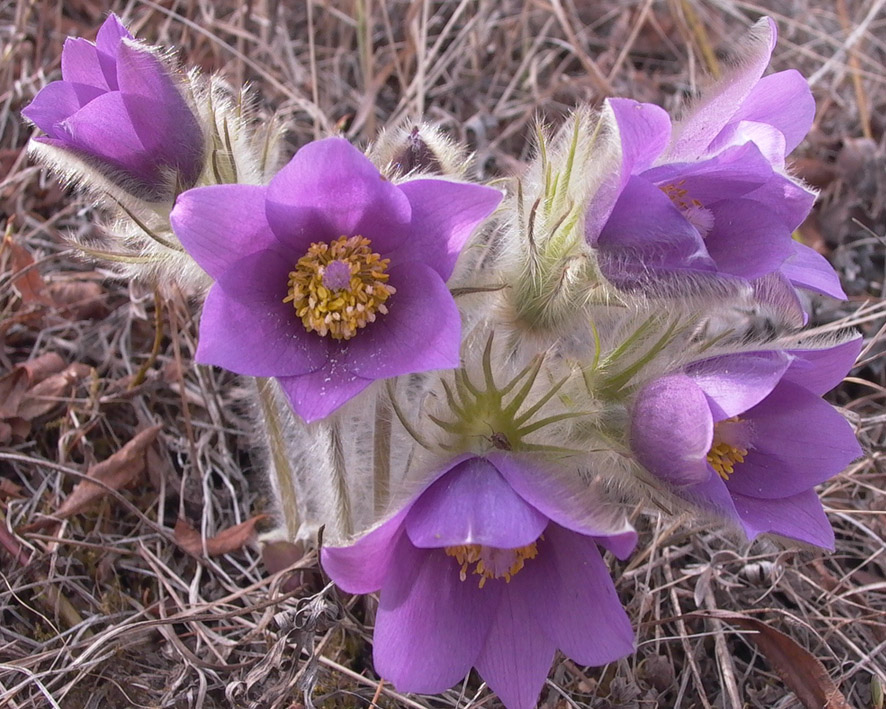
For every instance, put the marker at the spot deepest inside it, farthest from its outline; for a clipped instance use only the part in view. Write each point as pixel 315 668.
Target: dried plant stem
pixel 282 476
pixel 340 482
pixel 381 455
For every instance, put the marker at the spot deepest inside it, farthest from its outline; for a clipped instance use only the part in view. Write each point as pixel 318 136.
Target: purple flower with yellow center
pixel 330 277
pixel 493 565
pixel 120 110
pixel 747 437
pixel 709 196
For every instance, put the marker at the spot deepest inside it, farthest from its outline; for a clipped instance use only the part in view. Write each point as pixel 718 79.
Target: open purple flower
pixel 747 437
pixel 330 277
pixel 710 196
pixel 491 566
pixel 120 110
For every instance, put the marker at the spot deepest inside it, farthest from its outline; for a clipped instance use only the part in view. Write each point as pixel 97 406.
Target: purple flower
pixel 120 110
pixel 710 196
pixel 747 437
pixel 494 566
pixel 330 277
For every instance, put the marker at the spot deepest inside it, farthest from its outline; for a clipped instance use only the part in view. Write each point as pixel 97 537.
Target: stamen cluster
pixel 339 304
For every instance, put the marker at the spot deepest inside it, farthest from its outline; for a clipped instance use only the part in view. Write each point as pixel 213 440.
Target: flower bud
pixel 119 111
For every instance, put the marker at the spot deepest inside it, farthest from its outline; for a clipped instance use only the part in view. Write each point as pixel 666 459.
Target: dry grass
pixel 105 609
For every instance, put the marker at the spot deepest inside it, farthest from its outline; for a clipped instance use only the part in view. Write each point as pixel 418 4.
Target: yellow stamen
pixel 337 288
pixel 723 458
pixel 491 562
pixel 680 195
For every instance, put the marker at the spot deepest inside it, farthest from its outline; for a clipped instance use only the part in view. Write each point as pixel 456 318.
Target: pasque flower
pixel 120 109
pixel 494 566
pixel 747 437
pixel 330 277
pixel 710 195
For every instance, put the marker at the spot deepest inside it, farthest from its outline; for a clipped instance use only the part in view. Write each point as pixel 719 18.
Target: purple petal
pixel 472 504
pixel 81 64
pixel 334 178
pixel 819 371
pixel 55 103
pixel 261 338
pixel 636 242
pixel 789 199
pixel 711 497
pixel 362 566
pixel 735 383
pixel 768 140
pixel 517 656
pixel 730 174
pixel 672 430
pixel 783 100
pixel 220 224
pixel 444 214
pixel 420 332
pixel 110 35
pixel 574 600
pixel 316 395
pixel 163 120
pixel 807 268
pixel 720 102
pixel 799 441
pixel 564 501
pixel 103 128
pixel 798 517
pixel 644 130
pixel 748 240
pixel 431 626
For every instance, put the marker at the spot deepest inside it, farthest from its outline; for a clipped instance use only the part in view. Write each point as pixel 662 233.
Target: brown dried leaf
pixel 800 670
pixel 82 300
pixel 43 397
pixel 12 388
pixel 26 280
pixel 9 490
pixel 226 541
pixel 118 471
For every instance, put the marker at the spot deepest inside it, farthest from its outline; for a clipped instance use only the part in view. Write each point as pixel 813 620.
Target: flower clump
pixel 469 392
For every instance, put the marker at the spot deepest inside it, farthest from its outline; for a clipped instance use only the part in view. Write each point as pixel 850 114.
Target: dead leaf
pixel 25 278
pixel 82 300
pixel 800 670
pixel 9 490
pixel 12 388
pixel 43 397
pixel 226 541
pixel 118 471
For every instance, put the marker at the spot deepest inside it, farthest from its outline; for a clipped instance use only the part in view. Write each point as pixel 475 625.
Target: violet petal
pixel 220 224
pixel 258 339
pixel 430 626
pixel 574 599
pixel 575 508
pixel 799 517
pixel 316 395
pixel 361 567
pixel 821 370
pixel 799 440
pixel 472 504
pixel 748 240
pixel 80 64
pixel 517 655
pixel 672 430
pixel 734 383
pixel 55 103
pixel 444 214
pixel 420 332
pixel 807 268
pixel 334 178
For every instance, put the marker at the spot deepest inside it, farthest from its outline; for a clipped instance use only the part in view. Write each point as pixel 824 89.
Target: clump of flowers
pixel 468 399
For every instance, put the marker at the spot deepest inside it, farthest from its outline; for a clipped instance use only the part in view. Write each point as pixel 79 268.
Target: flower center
pixel 730 446
pixel 338 287
pixel 491 562
pixel 693 210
